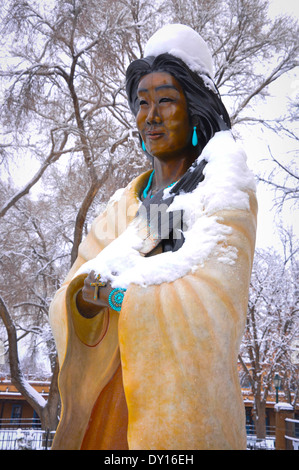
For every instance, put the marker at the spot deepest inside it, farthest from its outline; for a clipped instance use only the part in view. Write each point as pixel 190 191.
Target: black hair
pixel 205 107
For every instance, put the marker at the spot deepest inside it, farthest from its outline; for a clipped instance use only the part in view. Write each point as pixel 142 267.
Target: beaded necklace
pixel 147 188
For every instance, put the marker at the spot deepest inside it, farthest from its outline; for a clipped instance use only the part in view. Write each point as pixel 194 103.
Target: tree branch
pixel 53 157
pixel 81 215
pixel 31 395
pixel 276 73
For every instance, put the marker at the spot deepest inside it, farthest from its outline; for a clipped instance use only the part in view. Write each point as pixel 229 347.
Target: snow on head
pixel 183 42
pixel 225 187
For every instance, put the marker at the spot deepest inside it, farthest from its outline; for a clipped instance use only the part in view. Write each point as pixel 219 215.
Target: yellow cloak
pixel 162 374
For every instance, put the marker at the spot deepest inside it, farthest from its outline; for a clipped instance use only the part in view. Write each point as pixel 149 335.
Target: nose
pixel 153 116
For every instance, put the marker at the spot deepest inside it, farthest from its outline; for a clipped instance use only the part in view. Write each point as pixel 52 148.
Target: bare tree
pixel 47 410
pixel 283 179
pixel 271 329
pixel 32 265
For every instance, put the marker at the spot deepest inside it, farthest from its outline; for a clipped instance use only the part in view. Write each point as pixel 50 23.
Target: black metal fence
pixel 25 439
pixel 24 434
pixel 254 443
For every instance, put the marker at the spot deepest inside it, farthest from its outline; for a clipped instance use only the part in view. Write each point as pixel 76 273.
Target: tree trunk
pixel 259 417
pixel 46 410
pixel 50 413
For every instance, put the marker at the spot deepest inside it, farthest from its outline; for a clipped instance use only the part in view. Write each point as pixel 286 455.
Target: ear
pixel 195 120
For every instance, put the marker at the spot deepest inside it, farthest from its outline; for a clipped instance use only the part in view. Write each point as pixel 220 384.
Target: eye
pixel 166 100
pixel 142 102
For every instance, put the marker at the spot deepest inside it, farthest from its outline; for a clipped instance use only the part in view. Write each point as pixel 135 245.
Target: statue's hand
pixel 95 294
pixel 88 303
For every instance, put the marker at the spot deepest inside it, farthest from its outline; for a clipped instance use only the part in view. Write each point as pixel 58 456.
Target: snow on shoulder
pixel 225 187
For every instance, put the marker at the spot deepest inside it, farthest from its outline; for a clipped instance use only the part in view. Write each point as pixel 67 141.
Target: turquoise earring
pixel 143 147
pixel 194 137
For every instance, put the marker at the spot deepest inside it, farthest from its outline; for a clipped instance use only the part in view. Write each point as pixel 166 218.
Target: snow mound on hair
pixel 183 42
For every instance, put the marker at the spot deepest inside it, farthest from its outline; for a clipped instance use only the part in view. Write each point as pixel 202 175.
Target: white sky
pixel 290 7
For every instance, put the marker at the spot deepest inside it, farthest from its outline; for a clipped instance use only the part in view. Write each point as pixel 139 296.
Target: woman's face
pixel 162 118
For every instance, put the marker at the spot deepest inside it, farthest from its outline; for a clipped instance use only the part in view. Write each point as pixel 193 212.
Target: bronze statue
pixel 149 320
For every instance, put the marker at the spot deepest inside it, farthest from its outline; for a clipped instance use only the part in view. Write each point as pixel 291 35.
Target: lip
pixel 154 135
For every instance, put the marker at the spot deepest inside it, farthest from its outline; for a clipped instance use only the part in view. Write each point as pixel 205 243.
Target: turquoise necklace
pixel 147 188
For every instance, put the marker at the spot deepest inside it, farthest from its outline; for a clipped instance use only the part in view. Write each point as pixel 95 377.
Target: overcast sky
pixel 290 7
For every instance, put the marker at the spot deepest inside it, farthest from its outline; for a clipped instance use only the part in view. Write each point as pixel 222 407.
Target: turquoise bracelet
pixel 116 298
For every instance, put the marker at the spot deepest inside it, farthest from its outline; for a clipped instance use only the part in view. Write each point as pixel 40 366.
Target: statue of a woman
pixel 149 320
